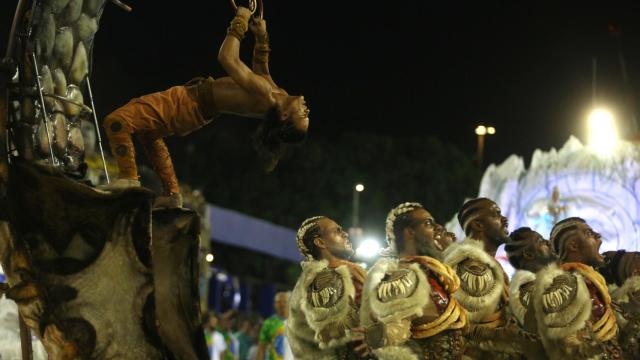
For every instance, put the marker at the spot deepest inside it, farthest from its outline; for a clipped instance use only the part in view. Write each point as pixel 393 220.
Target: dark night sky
pixel 401 67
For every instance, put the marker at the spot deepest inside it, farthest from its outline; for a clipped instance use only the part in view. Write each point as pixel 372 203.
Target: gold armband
pixel 263 39
pixel 238 27
pixel 262 48
pixel 261 57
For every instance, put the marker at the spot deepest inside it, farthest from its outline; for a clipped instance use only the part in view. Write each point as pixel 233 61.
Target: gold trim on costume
pixel 454 316
pixel 605 328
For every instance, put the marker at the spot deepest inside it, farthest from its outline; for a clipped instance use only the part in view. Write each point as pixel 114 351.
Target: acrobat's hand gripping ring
pixel 254 6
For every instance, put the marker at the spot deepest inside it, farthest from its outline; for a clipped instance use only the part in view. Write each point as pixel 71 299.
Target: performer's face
pixel 628 264
pixel 334 239
pixel 213 322
pixel 587 243
pixel 492 223
pixel 281 304
pixel 538 251
pixel 426 231
pixel 298 113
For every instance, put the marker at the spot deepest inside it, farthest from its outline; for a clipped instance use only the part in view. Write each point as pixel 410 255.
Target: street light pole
pixel 480 150
pixel 356 208
pixel 481 131
pixel 355 230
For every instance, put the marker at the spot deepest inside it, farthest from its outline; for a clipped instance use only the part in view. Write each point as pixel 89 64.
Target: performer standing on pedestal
pixel 181 110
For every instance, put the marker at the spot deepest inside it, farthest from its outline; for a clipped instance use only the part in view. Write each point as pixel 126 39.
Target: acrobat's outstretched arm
pixel 261 48
pixel 229 58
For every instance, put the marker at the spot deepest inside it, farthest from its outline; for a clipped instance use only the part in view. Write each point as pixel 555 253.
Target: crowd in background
pixel 237 336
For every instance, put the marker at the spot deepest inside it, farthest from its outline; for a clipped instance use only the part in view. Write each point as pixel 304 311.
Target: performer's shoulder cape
pixel 520 291
pixel 483 283
pixel 563 302
pixel 322 309
pixel 400 290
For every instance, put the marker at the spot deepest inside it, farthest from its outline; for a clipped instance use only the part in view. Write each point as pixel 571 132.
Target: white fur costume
pixel 518 302
pixel 484 293
pixel 397 292
pixel 563 306
pixel 480 293
pixel 318 320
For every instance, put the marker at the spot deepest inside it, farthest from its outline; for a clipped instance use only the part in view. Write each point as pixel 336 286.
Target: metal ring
pixel 260 9
pixel 252 4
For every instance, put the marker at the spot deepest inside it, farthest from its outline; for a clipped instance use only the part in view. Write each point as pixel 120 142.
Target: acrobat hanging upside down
pixel 181 110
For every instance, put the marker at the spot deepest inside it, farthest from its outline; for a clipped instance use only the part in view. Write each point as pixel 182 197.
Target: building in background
pixel 253 259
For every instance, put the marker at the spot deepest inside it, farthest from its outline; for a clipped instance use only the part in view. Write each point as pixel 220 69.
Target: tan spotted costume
pixel 324 307
pixel 179 111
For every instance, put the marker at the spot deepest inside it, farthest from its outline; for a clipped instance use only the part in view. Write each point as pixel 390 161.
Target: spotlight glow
pixel 368 248
pixel 481 130
pixel 603 135
pixel 209 257
pixel 359 188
